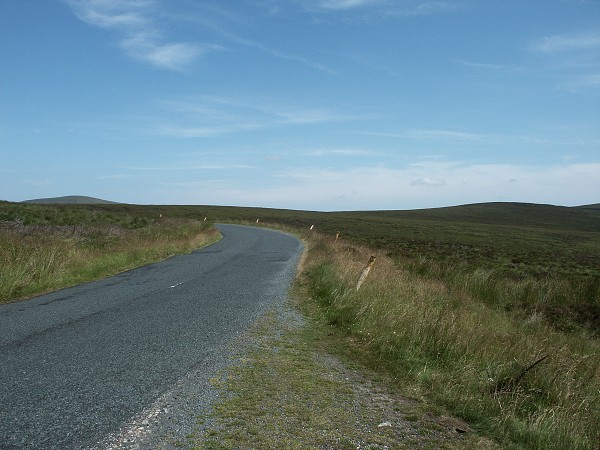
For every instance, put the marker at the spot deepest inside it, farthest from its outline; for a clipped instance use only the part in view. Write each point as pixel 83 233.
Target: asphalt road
pixel 77 364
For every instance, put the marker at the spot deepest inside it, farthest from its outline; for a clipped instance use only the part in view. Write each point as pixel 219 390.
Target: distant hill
pixel 72 200
pixel 505 213
pixel 594 206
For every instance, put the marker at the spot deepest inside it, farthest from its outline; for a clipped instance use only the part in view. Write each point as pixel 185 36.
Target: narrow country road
pixel 77 364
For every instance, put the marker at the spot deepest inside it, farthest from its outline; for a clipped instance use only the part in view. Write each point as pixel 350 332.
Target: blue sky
pixel 301 104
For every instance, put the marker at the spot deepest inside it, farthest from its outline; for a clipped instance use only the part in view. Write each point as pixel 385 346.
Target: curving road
pixel 77 364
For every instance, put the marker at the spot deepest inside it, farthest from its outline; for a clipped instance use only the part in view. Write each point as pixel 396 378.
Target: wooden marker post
pixel 365 272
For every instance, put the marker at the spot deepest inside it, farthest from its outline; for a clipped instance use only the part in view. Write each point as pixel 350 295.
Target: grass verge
pixel 520 382
pixel 291 392
pixel 37 258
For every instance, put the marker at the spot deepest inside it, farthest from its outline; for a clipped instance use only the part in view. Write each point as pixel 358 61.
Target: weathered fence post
pixel 365 272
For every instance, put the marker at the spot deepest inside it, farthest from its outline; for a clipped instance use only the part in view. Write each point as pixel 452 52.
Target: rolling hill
pixel 71 200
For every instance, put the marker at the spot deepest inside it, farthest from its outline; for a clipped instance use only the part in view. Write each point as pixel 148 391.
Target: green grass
pixel 289 393
pixel 43 248
pixel 459 353
pixel 521 240
pixel 526 259
pixel 460 306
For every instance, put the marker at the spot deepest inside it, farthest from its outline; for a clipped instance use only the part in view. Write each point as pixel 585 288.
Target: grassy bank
pixel 290 392
pixel 43 248
pixel 518 380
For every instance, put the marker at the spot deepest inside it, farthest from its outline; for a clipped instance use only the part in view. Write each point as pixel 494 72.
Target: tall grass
pixel 39 258
pixel 566 303
pixel 520 381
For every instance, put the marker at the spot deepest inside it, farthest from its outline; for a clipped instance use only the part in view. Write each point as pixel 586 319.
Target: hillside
pixel 520 239
pixel 521 215
pixel 594 206
pixel 505 214
pixel 71 200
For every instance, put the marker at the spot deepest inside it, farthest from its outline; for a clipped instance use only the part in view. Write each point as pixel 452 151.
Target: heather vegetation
pixel 517 379
pixel 490 312
pixel 43 248
pixel 524 259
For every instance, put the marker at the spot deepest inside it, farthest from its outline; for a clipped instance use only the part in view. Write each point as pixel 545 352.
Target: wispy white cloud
pixel 307 116
pixel 424 8
pixel 488 66
pixel 444 134
pixel 207 117
pixel 189 132
pixel 574 59
pixel 584 139
pixel 339 152
pixel 583 83
pixel 426 181
pixel 186 167
pixel 346 4
pixel 212 116
pixel 432 134
pixel 114 13
pixel 137 22
pixel 267 49
pixel 175 56
pixel 116 176
pixel 387 7
pixel 567 43
pixel 416 186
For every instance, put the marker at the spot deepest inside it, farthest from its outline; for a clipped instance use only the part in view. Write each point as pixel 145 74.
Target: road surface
pixel 77 364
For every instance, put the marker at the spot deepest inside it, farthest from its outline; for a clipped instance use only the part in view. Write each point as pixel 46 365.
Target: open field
pixel 519 257
pixel 518 380
pixel 521 239
pixel 488 312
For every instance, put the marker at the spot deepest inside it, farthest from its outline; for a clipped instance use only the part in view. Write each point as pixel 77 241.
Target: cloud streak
pixel 428 182
pixel 346 4
pixel 141 37
pixel 193 167
pixel 576 55
pixel 390 8
pixel 432 134
pixel 213 116
pixel 567 43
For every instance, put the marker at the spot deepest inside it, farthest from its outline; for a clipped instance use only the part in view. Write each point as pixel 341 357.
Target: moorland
pixel 490 312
